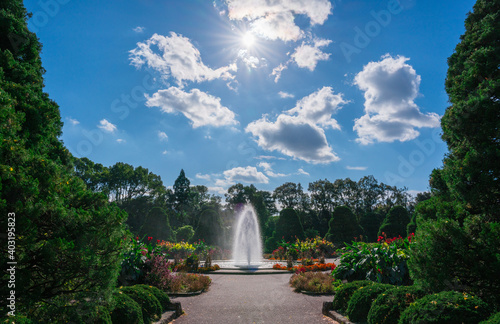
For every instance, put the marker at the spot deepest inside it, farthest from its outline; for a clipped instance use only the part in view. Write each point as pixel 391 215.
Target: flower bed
pixel 314 282
pixel 310 248
pixel 302 268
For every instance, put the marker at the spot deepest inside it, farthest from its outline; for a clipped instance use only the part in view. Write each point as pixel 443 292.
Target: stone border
pixel 186 294
pixel 173 311
pixel 328 311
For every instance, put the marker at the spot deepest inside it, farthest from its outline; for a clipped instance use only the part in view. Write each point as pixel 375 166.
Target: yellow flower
pixel 11 169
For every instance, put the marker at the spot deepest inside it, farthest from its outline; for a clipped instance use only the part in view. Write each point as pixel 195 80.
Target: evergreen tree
pixel 157 225
pixel 68 239
pixel 471 125
pixel 343 226
pixel 182 190
pixel 458 233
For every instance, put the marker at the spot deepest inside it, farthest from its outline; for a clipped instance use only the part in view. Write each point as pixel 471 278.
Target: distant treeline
pixel 190 213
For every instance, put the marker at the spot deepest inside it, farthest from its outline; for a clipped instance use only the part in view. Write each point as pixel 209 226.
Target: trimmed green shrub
pixel 343 226
pixel 151 308
pixel 370 222
pixel 494 319
pixel 395 222
pixel 388 306
pixel 184 233
pixel 159 294
pixel 361 301
pixel 210 228
pixel 343 294
pixel 289 226
pixel 447 307
pixel 126 310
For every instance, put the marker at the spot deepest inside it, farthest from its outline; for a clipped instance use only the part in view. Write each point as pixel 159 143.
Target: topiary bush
pixel 447 307
pixel 343 294
pixel 395 222
pixel 159 294
pixel 388 306
pixel 494 319
pixel 126 310
pixel 151 308
pixel 361 300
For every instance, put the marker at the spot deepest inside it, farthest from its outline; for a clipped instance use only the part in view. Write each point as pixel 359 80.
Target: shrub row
pixel 139 304
pixel 366 301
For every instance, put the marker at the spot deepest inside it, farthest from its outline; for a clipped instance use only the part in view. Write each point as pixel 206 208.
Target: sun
pixel 248 40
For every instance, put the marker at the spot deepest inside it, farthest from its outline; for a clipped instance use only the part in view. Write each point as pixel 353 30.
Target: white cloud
pixel 217 190
pixel 121 140
pixel 293 137
pixel 247 174
pixel 391 86
pixel 162 136
pixel 251 61
pixel 285 95
pixel 301 171
pixel 276 19
pixel 307 56
pixel 139 29
pixel 177 58
pixel 298 132
pixel 357 168
pixel 268 157
pixel 107 126
pixel 73 121
pixel 269 170
pixel 200 108
pixel 203 176
pixel 277 71
pixel 318 107
pixel 164 152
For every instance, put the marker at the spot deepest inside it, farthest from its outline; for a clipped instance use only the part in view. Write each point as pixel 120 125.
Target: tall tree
pixel 458 229
pixel 182 191
pixel 289 195
pixel 471 125
pixel 68 239
pixel 343 226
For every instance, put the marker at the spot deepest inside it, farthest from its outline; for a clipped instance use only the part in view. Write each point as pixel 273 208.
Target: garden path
pixel 252 299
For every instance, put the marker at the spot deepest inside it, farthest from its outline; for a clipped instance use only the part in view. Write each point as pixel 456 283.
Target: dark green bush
pixel 360 302
pixel 151 308
pixel 395 222
pixel 288 226
pixel 159 294
pixel 494 319
pixel 343 294
pixel 126 310
pixel 447 307
pixel 388 306
pixel 343 226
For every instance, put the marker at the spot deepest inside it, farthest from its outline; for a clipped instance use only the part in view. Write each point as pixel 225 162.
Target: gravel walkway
pixel 252 299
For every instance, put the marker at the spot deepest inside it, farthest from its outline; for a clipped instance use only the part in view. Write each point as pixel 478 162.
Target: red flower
pixel 157 241
pixel 137 238
pixel 150 238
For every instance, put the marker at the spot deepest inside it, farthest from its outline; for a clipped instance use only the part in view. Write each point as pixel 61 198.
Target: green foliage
pixel 159 294
pixel 493 319
pixel 68 239
pixel 288 226
pixel 126 310
pixel 345 292
pixel 18 319
pixel 184 233
pixel 380 262
pixel 447 256
pixel 209 228
pixel 151 308
pixel 181 190
pixel 448 307
pixel 316 282
pixel 471 125
pixel 343 226
pixel 370 222
pixel 157 225
pixel 360 302
pixel 388 306
pixel 395 222
pixel 412 225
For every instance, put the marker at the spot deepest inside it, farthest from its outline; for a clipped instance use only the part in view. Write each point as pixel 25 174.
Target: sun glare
pixel 248 39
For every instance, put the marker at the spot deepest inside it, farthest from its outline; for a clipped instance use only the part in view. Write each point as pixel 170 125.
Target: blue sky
pixel 243 91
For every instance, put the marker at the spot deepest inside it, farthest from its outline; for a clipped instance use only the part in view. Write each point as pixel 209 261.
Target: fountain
pixel 247 244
